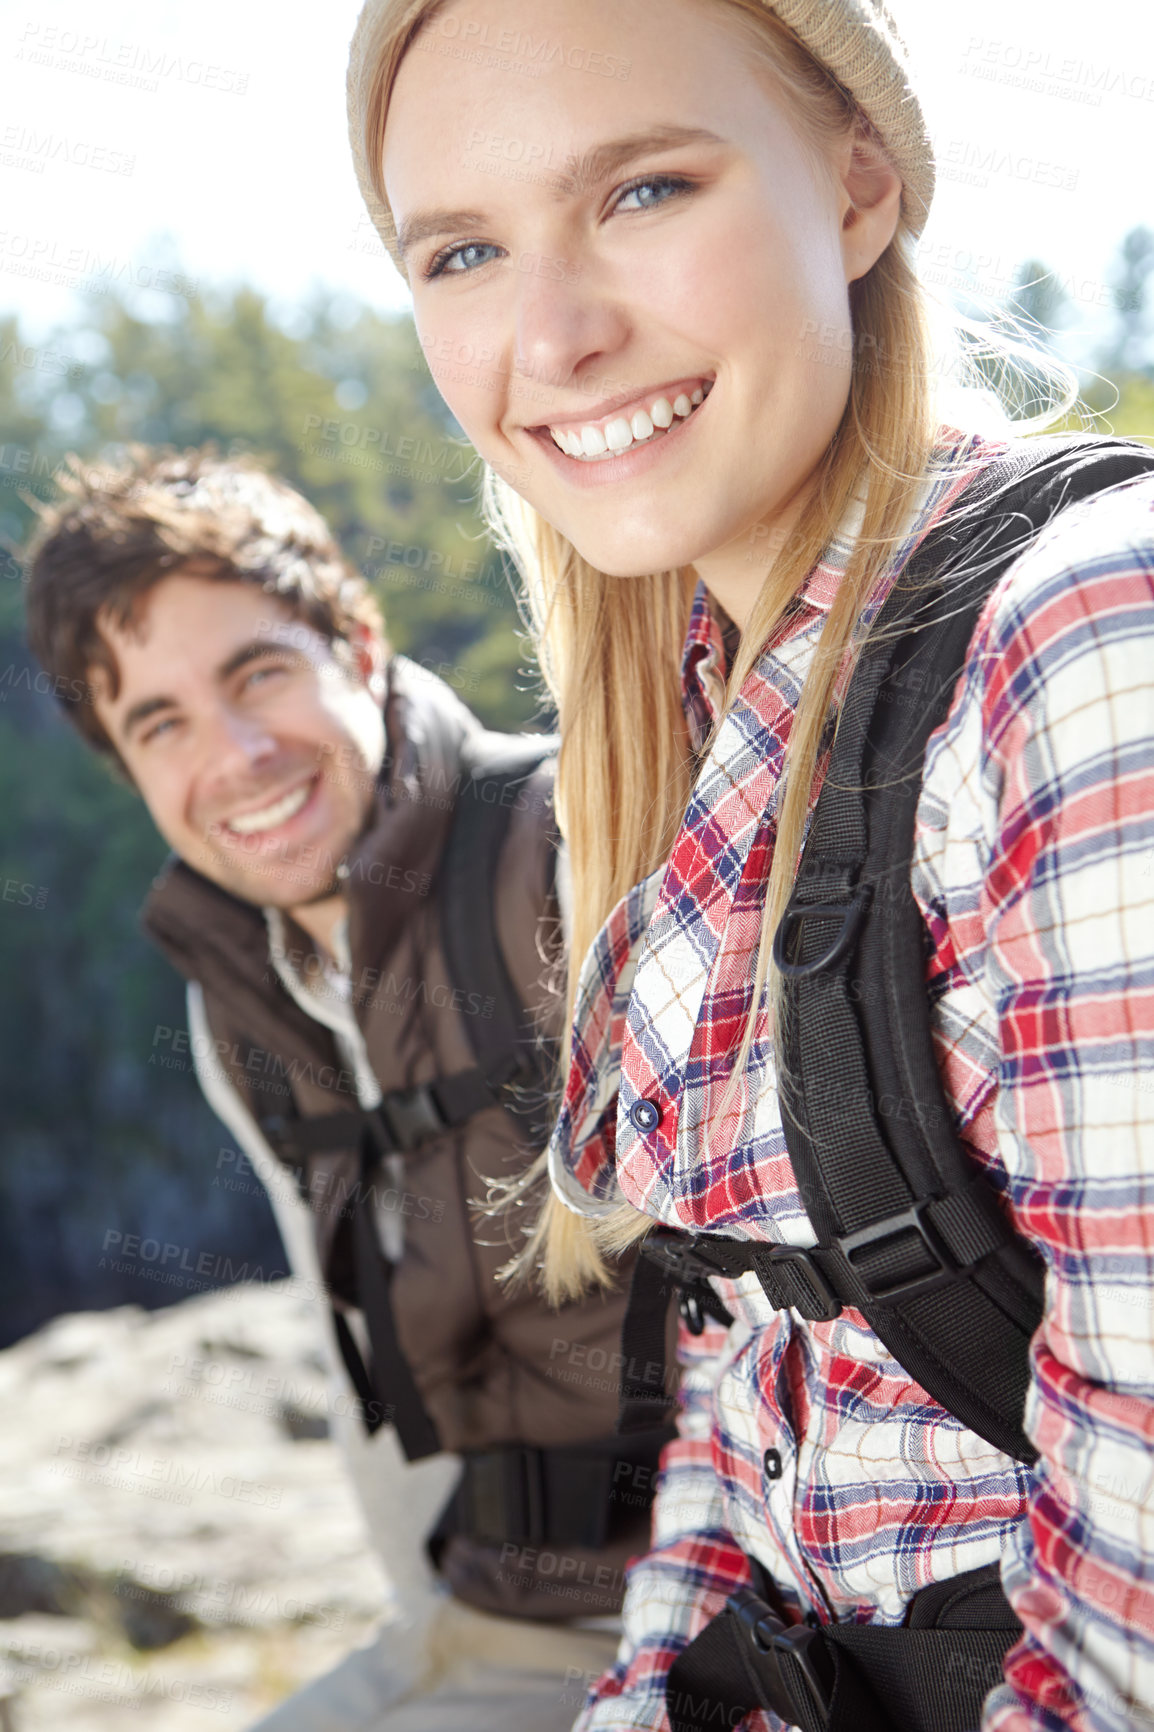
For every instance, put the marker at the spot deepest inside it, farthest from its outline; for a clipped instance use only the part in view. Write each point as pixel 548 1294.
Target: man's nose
pixel 236 743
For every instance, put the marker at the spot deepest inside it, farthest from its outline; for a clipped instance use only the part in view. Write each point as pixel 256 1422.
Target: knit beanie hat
pixel 856 40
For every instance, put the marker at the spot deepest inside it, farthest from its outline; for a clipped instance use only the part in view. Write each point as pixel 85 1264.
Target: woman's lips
pixel 645 416
pixel 627 461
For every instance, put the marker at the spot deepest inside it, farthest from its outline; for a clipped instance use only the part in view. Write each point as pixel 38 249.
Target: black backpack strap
pixel 508 1053
pixel 908 1229
pixel 404 1119
pixel 508 1049
pixel 931 1674
pixel 564 1495
pixel 663 1271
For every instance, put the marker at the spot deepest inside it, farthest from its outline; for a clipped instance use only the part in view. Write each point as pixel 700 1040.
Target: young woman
pixel 660 256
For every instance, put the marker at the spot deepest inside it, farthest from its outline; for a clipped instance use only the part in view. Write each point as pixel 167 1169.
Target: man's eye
pixel 158 729
pixel 652 190
pixel 467 256
pixel 259 674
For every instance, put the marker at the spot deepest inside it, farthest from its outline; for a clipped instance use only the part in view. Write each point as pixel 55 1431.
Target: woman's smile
pixel 626 443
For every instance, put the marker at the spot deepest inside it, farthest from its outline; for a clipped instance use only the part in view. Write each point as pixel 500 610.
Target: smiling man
pixel 361 899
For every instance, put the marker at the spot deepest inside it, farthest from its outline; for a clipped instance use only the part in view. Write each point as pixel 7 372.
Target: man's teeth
pixel 619 434
pixel 269 817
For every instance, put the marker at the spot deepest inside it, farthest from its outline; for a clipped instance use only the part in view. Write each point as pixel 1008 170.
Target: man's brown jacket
pixel 493 1365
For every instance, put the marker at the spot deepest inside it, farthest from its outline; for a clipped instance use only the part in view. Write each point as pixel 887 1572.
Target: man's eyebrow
pixel 141 711
pixel 577 174
pixel 251 651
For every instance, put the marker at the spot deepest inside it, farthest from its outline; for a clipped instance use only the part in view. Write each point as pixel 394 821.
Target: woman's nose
pixel 564 320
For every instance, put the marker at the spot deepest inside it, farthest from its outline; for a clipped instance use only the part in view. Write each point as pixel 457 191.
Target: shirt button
pixel 644 1116
pixel 771 1462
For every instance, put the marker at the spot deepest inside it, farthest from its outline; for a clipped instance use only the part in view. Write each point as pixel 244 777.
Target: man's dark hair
pixel 122 528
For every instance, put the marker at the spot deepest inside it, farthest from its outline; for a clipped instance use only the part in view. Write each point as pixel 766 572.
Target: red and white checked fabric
pixel 1034 871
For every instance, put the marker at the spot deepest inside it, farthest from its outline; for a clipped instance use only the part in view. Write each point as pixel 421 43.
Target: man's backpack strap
pixel 930 1674
pixel 580 1495
pixel 510 1053
pixel 403 1120
pixel 510 1071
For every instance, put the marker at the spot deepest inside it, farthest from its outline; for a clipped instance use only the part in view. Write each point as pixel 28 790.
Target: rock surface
pixel 179 1545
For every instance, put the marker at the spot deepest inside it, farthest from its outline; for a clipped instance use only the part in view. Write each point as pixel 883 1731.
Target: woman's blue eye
pixel 467 254
pixel 663 186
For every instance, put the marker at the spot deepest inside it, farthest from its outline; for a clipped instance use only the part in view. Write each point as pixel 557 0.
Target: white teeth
pixel 621 433
pixel 248 823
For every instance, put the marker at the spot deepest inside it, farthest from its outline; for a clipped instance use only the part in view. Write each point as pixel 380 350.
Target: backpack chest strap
pixel 401 1122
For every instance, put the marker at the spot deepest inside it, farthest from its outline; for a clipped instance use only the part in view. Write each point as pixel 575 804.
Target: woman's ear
pixel 871 204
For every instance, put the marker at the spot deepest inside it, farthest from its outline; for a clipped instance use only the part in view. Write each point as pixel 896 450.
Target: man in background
pixel 361 900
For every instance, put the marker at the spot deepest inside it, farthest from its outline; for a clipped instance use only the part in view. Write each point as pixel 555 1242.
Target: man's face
pixel 256 751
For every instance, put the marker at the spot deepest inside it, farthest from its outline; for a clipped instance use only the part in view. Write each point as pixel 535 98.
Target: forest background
pixel 105 1142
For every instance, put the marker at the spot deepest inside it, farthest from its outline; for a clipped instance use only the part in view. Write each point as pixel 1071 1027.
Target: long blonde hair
pixel 610 648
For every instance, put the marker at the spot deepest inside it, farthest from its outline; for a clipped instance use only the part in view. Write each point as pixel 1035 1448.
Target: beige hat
pixel 856 40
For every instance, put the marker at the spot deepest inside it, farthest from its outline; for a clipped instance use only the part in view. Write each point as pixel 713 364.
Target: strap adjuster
pixel 791 1277
pixel 789 1274
pixel 505 1495
pixel 411 1115
pixel 786 1655
pixel 889 1280
pixel 849 916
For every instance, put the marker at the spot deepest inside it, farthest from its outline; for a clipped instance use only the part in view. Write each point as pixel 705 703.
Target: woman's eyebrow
pixel 576 174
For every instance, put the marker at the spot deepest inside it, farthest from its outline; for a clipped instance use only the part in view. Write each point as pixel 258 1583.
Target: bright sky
pixel 221 126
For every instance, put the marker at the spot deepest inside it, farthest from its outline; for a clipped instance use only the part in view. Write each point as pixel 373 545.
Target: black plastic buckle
pixel 679 1255
pixel 772 1641
pixel 893 1227
pixel 822 1303
pixel 850 914
pixel 412 1115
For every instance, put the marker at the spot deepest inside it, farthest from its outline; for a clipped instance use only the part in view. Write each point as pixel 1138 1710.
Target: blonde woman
pixel 660 253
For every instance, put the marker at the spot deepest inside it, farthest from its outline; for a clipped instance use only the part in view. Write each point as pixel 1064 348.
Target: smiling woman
pixel 731 221
pixel 661 255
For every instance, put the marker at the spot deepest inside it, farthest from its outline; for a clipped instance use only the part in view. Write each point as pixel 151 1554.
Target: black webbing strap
pixel 931 1674
pixel 385 1388
pixel 390 1376
pixel 908 1231
pixel 512 1065
pixel 646 1395
pixel 404 1119
pixel 564 1495
pixel 508 1048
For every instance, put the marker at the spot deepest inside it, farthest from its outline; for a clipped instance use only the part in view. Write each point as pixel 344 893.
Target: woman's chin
pixel 625 559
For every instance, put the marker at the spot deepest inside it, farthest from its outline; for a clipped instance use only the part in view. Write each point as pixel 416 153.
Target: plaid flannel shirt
pixel 806 1445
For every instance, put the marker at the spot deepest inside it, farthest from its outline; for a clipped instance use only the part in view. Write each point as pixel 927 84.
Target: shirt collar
pixel 704 665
